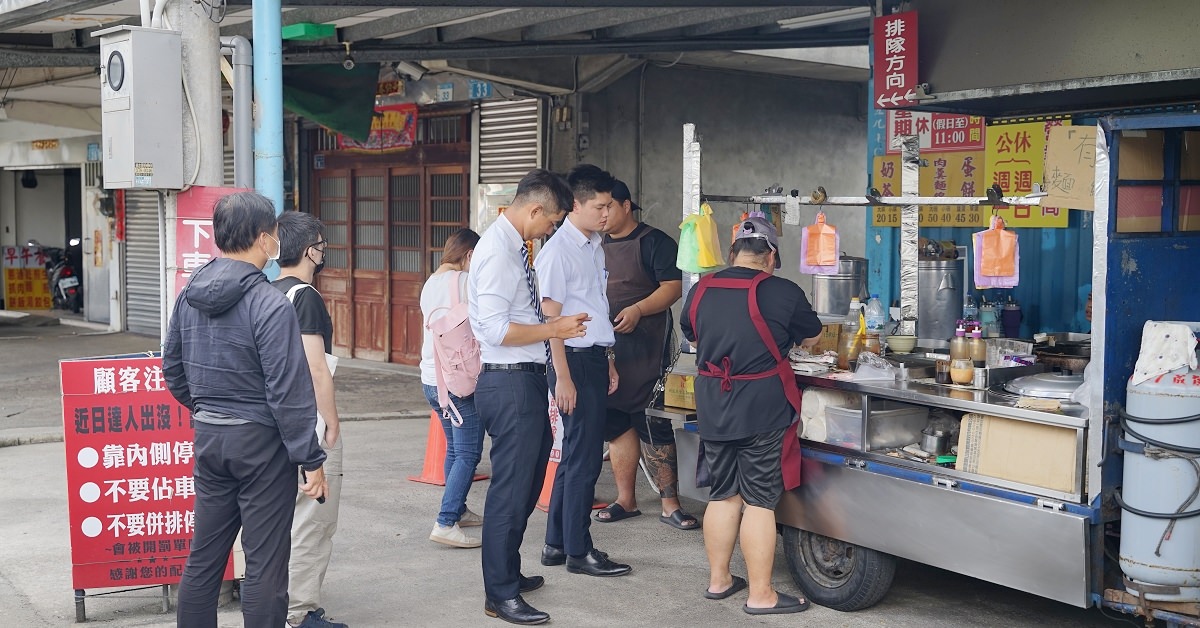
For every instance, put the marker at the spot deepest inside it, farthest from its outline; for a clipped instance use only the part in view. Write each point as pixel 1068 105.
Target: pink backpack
pixel 455 351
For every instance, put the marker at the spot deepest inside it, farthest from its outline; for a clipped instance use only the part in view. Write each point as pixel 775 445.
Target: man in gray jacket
pixel 234 357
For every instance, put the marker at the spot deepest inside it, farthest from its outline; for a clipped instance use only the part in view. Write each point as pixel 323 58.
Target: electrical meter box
pixel 141 100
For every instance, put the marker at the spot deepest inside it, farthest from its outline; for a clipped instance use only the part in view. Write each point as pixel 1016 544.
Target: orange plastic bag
pixel 822 243
pixel 998 257
pixel 706 233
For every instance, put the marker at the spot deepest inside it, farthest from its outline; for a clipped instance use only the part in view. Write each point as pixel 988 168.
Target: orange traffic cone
pixel 434 469
pixel 543 502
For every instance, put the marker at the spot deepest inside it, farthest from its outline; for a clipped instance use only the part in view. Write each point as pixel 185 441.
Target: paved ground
pixel 385 572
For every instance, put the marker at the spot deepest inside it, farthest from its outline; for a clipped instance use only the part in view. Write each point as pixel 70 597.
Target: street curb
pixel 39 438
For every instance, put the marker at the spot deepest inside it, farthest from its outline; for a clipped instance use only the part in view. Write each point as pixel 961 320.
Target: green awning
pixel 332 96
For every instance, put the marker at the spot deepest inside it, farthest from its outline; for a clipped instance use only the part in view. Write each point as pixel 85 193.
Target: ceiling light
pixel 826 19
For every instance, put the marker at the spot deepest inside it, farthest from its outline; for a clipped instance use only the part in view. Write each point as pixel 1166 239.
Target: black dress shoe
pixel 596 563
pixel 532 583
pixel 515 611
pixel 554 556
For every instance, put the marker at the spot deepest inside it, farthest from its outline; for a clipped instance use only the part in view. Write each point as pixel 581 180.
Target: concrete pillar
pixel 202 77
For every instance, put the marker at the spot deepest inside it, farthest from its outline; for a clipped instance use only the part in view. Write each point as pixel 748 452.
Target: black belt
pixel 591 349
pixel 532 367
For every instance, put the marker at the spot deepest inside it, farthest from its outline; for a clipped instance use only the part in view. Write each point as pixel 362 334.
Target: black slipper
pixel 738 585
pixel 785 604
pixel 680 520
pixel 616 512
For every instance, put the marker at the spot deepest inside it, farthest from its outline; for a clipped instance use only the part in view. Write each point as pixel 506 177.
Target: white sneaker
pixel 452 536
pixel 470 519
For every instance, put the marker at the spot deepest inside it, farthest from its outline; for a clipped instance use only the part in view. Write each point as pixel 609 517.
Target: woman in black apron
pixel 743 321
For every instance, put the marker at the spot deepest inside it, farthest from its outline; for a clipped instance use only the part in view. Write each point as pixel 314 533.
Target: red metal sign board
pixel 895 59
pixel 130 487
pixel 194 242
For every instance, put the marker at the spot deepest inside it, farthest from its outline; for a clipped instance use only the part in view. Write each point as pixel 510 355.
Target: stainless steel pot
pixel 939 301
pixel 831 294
pixel 935 441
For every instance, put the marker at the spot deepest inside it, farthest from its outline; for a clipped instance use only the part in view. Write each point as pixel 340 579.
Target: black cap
pixel 620 192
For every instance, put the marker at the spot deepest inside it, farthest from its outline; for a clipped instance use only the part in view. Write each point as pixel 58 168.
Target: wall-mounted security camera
pixel 414 71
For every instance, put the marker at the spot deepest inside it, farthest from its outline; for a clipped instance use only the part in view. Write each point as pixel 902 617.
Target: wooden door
pixel 428 205
pixel 333 208
pixel 369 274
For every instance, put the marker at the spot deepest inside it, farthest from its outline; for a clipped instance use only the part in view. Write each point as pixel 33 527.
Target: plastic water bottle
pixel 875 315
pixel 849 344
pixel 970 310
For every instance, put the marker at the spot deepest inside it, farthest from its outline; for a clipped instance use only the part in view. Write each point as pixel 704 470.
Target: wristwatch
pixel 610 353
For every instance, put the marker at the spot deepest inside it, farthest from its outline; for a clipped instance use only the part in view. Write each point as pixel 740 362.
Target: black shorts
pixel 750 467
pixel 655 431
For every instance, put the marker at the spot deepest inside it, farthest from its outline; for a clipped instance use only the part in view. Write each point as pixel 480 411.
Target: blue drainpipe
pixel 268 92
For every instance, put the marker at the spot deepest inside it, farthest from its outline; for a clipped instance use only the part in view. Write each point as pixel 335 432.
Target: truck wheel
pixel 835 574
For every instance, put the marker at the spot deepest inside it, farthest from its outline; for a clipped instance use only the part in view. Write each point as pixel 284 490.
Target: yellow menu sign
pixel 1015 160
pixel 948 174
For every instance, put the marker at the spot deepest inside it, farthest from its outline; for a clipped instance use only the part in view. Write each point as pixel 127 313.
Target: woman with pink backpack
pixel 449 367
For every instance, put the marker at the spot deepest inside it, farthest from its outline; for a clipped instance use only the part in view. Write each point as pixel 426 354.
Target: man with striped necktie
pixel 511 396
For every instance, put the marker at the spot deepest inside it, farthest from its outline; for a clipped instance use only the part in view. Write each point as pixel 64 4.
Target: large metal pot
pixel 831 294
pixel 1073 357
pixel 939 301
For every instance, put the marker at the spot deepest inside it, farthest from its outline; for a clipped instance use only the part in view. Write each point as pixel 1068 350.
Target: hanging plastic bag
pixel 997 257
pixel 688 258
pixel 819 247
pixel 709 255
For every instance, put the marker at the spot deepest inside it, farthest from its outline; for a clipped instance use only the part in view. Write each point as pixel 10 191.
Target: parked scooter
pixel 62 274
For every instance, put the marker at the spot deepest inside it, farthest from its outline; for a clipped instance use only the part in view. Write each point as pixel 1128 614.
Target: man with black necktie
pixel 511 396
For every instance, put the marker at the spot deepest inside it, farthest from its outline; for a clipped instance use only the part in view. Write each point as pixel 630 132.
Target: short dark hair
pixel 547 188
pixel 297 232
pixel 757 247
pixel 239 218
pixel 587 181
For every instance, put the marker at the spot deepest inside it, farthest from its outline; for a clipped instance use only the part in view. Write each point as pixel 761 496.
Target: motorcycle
pixel 62 274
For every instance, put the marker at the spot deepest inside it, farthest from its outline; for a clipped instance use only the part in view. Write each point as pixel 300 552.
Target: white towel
pixel 1165 347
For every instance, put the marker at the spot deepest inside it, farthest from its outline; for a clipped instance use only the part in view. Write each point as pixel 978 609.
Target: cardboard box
pixel 681 391
pixel 830 334
pixel 1018 451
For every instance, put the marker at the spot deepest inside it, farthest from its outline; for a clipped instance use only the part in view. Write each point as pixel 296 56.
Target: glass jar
pixel 848 349
pixel 942 372
pixel 871 344
pixel 962 371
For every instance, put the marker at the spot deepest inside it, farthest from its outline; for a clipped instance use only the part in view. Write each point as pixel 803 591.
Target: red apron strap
pixel 791 444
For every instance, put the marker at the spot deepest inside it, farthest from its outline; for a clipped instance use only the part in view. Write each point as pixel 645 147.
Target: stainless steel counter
pixel 955 398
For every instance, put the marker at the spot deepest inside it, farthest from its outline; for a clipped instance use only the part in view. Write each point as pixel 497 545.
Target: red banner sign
pixel 194 242
pixel 938 132
pixel 394 128
pixel 895 59
pixel 130 490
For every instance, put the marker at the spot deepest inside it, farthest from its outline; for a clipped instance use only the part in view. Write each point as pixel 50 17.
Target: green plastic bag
pixel 688 259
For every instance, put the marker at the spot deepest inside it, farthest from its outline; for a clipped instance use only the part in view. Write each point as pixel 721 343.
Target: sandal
pixel 614 512
pixel 738 584
pixel 680 520
pixel 785 604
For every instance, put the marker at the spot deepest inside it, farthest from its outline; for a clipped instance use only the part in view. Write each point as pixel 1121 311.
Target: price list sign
pixel 130 487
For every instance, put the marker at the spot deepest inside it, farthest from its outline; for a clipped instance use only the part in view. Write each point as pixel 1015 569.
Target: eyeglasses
pixel 319 245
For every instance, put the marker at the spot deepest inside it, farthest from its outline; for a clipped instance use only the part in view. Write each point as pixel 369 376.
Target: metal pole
pixel 203 154
pixel 910 159
pixel 268 87
pixel 243 109
pixel 80 607
pixel 691 203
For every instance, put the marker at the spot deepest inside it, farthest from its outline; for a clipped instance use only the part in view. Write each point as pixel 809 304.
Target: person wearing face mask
pixel 234 357
pixel 301 257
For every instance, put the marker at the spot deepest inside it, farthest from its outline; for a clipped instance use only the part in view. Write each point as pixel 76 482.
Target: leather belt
pixel 532 367
pixel 592 349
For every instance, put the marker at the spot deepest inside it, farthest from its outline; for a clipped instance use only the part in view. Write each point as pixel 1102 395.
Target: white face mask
pixel 272 258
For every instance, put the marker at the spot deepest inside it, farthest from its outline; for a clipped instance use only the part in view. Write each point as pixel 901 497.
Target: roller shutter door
pixel 143 266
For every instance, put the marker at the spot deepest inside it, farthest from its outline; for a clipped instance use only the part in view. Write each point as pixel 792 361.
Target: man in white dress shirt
pixel 511 396
pixel 573 280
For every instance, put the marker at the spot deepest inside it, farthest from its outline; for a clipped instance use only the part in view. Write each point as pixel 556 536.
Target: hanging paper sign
pixel 937 132
pixel 1015 160
pixel 393 129
pixel 1071 167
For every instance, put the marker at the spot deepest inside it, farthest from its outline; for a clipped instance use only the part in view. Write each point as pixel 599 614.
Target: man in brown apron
pixel 643 284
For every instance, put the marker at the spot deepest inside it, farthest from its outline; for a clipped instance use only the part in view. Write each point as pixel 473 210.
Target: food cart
pixel 1035 506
